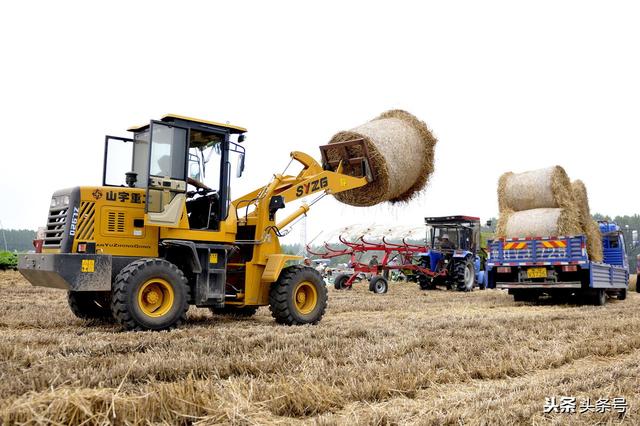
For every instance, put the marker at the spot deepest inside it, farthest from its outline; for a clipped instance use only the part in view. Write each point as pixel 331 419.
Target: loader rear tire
pixel 232 311
pixel 150 294
pixel 298 297
pixel 638 283
pixel 88 305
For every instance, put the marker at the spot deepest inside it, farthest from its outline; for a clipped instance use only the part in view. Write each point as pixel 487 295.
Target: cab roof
pixel 194 123
pixel 450 219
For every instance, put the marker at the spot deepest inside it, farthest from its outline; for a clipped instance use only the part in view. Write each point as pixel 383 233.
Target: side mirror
pixel 241 138
pixel 240 167
pixel 489 223
pixel 131 178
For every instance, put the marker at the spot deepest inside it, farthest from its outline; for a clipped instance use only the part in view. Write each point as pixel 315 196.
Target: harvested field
pixel 405 357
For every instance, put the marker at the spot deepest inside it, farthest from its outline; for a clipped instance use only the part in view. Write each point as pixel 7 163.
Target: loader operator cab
pixel 177 161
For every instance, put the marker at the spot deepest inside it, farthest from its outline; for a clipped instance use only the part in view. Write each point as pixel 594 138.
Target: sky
pixel 505 86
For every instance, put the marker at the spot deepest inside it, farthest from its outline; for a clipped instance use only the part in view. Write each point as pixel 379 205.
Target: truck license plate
pixel 537 273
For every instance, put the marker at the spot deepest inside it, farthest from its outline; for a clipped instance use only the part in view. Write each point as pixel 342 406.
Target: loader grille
pixel 86 221
pixel 115 222
pixel 55 227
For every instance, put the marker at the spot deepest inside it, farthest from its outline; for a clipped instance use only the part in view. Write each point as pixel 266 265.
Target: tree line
pixel 17 240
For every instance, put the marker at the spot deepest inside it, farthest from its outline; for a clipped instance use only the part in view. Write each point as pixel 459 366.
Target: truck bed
pixel 565 259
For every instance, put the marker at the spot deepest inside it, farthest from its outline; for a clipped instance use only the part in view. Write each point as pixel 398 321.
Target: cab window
pixel 168 145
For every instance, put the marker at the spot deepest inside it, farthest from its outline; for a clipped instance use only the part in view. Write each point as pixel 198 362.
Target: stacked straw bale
pixel 589 226
pixel 537 223
pixel 401 156
pixel 536 189
pixel 545 202
pixel 537 203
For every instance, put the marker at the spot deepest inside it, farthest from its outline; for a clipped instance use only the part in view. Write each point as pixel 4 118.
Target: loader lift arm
pixel 312 179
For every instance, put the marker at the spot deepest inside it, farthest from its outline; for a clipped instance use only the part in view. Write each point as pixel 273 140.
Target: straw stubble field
pixel 405 357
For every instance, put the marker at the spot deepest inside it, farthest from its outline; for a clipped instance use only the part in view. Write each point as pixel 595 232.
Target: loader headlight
pixel 60 201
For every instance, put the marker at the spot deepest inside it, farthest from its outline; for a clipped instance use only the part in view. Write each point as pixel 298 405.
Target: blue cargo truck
pixel 559 267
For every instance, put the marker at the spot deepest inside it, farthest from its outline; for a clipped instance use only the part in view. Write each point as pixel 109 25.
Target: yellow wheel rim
pixel 305 297
pixel 155 297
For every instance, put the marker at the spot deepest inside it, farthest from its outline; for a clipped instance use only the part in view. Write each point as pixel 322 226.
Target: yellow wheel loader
pixel 162 233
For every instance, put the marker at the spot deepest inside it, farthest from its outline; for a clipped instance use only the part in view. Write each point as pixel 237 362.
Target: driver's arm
pixel 197 184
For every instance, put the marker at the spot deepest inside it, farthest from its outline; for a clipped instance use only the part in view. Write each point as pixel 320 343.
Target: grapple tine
pixel 352 156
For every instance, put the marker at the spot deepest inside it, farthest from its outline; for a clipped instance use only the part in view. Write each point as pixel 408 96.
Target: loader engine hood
pixel 62 221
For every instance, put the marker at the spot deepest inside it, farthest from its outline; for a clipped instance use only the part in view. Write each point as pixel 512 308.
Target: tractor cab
pixel 452 256
pixel 178 160
pixel 450 233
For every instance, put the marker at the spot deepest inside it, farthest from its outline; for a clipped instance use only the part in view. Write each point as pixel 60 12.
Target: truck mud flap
pixel 75 272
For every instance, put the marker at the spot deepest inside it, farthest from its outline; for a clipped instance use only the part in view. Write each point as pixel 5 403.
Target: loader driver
pixel 201 211
pixel 164 166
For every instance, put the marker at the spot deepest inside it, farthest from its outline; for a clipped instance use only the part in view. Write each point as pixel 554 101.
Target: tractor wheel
pixel 90 304
pixel 340 280
pixel 150 294
pixel 378 284
pixel 232 311
pixel 464 275
pixel 426 283
pixel 298 297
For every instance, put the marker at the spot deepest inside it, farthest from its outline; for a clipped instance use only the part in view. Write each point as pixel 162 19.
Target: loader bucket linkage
pixel 351 157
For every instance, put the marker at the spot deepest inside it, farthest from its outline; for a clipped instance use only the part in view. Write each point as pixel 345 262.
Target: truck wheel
pixel 599 297
pixel 90 304
pixel 519 296
pixel 298 297
pixel 525 296
pixel 340 280
pixel 232 311
pixel 378 284
pixel 464 275
pixel 150 294
pixel 622 294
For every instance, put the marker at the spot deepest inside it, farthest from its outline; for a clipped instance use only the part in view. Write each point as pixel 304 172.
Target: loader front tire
pixel 150 294
pixel 298 297
pixel 88 305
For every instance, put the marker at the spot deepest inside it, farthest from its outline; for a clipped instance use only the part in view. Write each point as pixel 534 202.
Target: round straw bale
pixel 594 241
pixel 542 188
pixel 589 227
pixel 401 155
pixel 538 223
pixel 582 200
